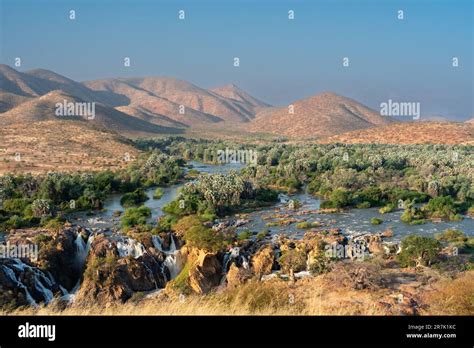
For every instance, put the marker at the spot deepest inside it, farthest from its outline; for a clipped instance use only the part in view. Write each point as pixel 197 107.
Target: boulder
pixel 205 274
pixel 237 276
pixel 262 261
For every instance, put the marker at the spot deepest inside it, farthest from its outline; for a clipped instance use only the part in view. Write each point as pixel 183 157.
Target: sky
pixel 281 60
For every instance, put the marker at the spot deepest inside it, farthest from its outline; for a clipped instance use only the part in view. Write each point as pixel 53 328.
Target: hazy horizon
pixel 281 60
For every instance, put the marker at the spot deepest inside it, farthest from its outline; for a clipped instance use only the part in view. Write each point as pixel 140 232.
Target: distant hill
pixel 164 105
pixel 426 132
pixel 59 145
pixel 318 116
pixel 165 95
pixel 43 108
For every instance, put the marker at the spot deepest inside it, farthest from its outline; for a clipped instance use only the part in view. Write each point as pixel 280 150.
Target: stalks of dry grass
pixel 316 296
pixel 452 297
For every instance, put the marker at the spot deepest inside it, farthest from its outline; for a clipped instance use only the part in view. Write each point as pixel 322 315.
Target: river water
pixel 351 221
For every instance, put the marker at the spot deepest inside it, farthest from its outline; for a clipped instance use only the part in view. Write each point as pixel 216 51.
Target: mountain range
pixel 149 105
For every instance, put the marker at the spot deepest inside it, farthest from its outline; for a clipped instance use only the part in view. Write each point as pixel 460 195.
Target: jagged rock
pixel 21 283
pixel 262 261
pixel 110 278
pixel 237 276
pixel 56 252
pixel 387 234
pixel 375 245
pixel 205 273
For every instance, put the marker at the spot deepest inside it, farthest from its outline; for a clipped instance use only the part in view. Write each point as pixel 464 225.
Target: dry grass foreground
pixel 405 133
pixel 408 293
pixel 61 146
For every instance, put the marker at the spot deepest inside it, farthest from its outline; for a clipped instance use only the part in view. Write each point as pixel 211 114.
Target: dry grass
pixel 61 146
pixel 317 296
pixel 449 133
pixel 452 297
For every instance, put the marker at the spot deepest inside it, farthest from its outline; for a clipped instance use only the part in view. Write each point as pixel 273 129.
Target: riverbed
pixel 351 221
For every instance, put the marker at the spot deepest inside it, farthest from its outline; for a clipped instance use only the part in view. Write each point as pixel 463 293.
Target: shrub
pixel 135 217
pixel 418 251
pixel 293 261
pixel 244 235
pixel 457 238
pixel 158 193
pixel 388 208
pixel 184 224
pixel 133 198
pixel 307 224
pixel 363 205
pixel 376 221
pixel 204 238
pixel 442 207
pixel 262 234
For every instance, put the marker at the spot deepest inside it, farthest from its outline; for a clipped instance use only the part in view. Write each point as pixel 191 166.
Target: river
pixel 351 221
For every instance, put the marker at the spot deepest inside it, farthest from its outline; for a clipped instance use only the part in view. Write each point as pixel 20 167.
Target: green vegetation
pixel 133 198
pixel 376 221
pixel 204 238
pixel 27 199
pixel 158 193
pixel 244 235
pixel 388 208
pixel 458 239
pixel 293 261
pixel 262 234
pixel 418 251
pixel 307 224
pixel 134 217
pixel 218 194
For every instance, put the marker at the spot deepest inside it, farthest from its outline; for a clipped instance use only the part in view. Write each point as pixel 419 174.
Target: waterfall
pixel 40 279
pixel 150 272
pixel 130 247
pixel 229 256
pixel 245 263
pixel 81 251
pixel 157 243
pixel 171 260
pixel 11 275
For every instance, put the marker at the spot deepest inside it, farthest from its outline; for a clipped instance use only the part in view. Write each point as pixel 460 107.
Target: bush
pixel 135 217
pixel 293 260
pixel 418 251
pixel 133 198
pixel 388 208
pixel 376 221
pixel 244 235
pixel 457 238
pixel 307 224
pixel 262 234
pixel 442 207
pixel 204 238
pixel 363 205
pixel 184 224
pixel 158 193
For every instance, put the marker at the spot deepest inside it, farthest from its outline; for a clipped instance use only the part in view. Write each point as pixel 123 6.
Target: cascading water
pixel 12 277
pixel 81 251
pixel 42 285
pixel 130 247
pixel 171 259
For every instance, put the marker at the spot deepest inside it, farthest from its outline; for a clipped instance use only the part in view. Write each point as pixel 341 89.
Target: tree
pixel 418 251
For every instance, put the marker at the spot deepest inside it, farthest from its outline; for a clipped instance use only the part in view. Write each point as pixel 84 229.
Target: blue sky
pixel 280 60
